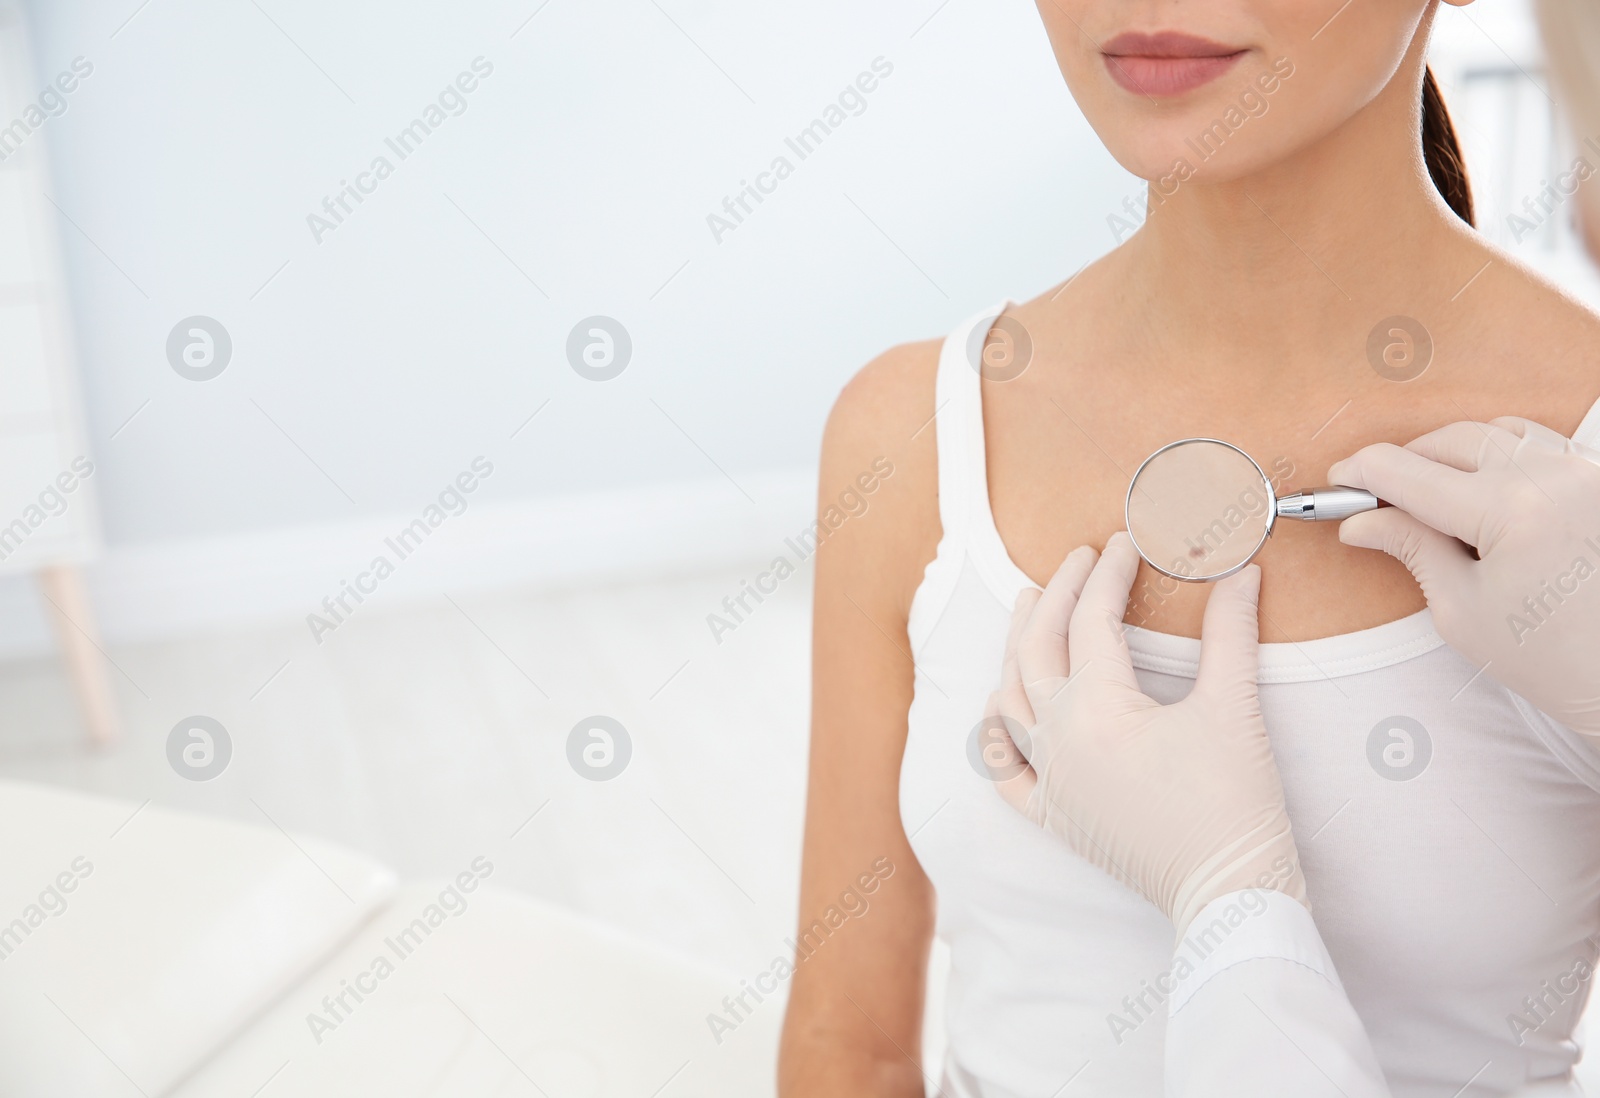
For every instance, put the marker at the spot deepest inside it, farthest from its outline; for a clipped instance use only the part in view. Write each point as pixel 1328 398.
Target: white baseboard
pixel 150 591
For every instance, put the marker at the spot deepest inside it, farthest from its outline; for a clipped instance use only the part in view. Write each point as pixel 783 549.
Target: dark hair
pixel 1442 151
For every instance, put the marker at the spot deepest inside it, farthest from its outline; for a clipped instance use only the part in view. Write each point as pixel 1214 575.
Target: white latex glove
pixel 1182 802
pixel 1528 500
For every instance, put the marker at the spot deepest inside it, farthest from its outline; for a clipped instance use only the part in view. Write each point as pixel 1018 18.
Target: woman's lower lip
pixel 1167 75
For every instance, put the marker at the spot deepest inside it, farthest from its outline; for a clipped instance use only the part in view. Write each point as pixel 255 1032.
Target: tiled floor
pixel 428 734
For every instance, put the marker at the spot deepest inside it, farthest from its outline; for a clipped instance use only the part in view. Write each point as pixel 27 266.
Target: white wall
pixel 405 343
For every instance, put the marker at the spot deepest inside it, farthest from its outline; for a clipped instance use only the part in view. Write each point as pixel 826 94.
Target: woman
pixel 1293 218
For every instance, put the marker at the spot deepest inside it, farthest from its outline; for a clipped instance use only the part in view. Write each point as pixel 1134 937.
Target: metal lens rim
pixel 1266 483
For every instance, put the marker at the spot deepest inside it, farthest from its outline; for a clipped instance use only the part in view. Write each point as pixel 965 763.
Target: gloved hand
pixel 1528 500
pixel 1182 802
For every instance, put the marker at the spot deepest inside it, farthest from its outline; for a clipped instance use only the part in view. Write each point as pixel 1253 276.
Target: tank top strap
pixel 958 424
pixel 964 511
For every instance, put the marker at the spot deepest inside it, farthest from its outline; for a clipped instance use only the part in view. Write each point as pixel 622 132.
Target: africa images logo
pixel 850 103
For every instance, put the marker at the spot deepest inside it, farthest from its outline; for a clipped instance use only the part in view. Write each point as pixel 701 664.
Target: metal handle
pixel 1326 504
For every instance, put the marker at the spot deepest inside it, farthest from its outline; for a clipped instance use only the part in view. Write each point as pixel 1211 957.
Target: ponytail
pixel 1442 151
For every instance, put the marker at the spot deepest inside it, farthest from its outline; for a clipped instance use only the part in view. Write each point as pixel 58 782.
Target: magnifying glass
pixel 1200 509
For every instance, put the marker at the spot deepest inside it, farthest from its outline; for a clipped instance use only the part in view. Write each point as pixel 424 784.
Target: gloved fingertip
pixel 1251 583
pixel 1120 544
pixel 1357 531
pixel 1079 562
pixel 1246 582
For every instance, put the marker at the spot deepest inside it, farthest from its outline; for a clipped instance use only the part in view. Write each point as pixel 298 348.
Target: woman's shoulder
pixel 880 464
pixel 886 395
pixel 1516 293
pixel 1525 333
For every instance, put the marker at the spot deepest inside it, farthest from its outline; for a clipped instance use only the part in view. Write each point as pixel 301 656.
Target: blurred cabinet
pixel 48 519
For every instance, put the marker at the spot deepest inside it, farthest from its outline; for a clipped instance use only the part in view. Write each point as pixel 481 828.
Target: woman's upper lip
pixel 1165 44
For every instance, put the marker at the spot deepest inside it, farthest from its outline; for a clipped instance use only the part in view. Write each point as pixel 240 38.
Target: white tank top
pixel 1460 904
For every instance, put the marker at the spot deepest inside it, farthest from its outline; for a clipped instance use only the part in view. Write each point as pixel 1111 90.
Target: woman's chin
pixel 1168 163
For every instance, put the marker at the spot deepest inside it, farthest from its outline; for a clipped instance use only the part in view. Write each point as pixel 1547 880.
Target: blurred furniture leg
pixel 68 596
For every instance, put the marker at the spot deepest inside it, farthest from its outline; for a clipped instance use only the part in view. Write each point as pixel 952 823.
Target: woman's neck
pixel 1306 254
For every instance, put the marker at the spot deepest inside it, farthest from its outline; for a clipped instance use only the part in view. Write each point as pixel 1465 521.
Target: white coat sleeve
pixel 1259 1010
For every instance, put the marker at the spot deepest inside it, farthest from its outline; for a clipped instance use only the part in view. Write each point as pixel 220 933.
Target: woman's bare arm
pixel 855 1009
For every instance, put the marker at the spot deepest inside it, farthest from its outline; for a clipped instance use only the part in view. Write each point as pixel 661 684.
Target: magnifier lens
pixel 1199 509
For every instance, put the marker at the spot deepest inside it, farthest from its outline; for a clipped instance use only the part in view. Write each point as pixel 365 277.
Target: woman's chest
pixel 1059 459
pixel 1051 495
